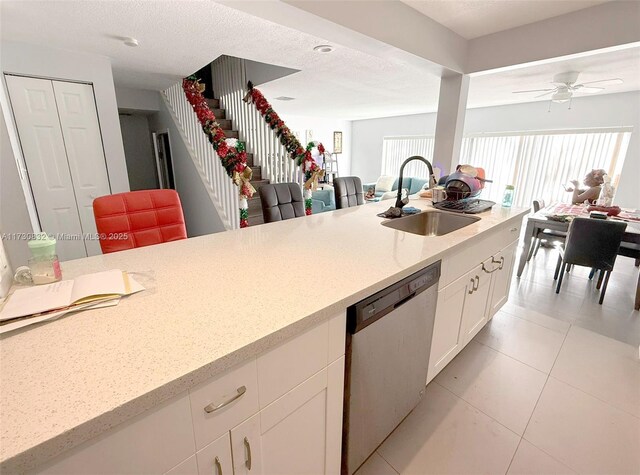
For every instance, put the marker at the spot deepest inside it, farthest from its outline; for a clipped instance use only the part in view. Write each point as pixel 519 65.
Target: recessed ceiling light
pixel 131 42
pixel 323 48
pixel 285 98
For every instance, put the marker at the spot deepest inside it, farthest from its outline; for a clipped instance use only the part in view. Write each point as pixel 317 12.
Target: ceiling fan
pixel 567 83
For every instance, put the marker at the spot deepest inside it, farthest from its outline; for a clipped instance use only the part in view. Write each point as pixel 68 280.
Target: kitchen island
pixel 212 304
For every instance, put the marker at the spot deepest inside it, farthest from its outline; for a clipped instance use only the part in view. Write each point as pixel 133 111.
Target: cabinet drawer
pixel 225 391
pixel 466 257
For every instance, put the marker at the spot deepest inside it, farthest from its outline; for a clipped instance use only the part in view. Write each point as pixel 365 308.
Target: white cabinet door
pixel 474 314
pixel 215 458
pixel 446 342
pixel 34 107
pixel 299 429
pixel 501 278
pixel 83 142
pixel 246 447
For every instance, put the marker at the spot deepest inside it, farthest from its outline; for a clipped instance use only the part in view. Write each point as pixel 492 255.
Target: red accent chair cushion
pixel 138 218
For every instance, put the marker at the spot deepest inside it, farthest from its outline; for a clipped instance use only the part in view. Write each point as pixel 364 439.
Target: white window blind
pixel 396 150
pixel 537 163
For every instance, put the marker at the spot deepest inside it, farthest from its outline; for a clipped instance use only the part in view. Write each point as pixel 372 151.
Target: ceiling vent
pixel 285 98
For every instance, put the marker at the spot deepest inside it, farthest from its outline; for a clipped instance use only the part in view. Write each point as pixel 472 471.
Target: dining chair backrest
pixel 593 242
pixel 348 191
pixel 138 218
pixel 538 205
pixel 281 201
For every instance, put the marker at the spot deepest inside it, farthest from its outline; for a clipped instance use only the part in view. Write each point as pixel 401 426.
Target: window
pixel 396 150
pixel 538 164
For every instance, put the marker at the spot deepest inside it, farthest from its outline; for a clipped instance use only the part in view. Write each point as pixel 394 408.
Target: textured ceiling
pixel 473 18
pixel 495 89
pixel 179 37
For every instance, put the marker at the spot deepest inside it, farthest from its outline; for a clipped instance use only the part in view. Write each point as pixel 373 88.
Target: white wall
pixel 14 217
pixel 367 135
pixel 608 110
pixel 138 150
pixel 323 131
pixel 200 214
pixel 137 99
pixel 46 62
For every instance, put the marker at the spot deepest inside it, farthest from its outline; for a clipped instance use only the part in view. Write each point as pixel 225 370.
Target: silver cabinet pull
pixel 211 407
pixel 477 284
pixel 493 261
pixel 513 230
pixel 218 466
pixel 501 262
pixel 247 446
pixel 473 287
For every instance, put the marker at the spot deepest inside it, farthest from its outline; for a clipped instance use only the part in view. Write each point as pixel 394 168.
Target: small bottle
pixel 507 199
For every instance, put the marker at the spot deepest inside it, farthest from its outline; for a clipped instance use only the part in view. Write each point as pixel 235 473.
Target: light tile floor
pixel 577 302
pixel 531 394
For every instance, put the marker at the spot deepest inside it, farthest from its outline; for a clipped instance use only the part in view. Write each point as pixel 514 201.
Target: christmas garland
pixel 232 152
pixel 302 156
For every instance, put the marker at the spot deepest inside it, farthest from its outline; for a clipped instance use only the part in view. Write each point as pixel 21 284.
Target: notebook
pixel 66 295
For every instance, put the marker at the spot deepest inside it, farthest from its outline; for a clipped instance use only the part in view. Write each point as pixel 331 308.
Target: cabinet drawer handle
pixel 473 287
pixel 477 284
pixel 501 262
pixel 493 261
pixel 513 230
pixel 211 407
pixel 247 445
pixel 218 466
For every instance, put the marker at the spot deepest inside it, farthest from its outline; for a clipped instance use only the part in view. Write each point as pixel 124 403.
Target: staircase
pixel 267 157
pixel 255 205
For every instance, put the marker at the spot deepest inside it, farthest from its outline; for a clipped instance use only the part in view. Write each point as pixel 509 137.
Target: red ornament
pixel 320 148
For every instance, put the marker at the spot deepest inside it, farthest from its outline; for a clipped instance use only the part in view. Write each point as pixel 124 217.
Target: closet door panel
pixel 83 142
pixel 34 108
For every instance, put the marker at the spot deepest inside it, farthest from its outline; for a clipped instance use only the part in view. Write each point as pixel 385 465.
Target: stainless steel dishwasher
pixel 388 345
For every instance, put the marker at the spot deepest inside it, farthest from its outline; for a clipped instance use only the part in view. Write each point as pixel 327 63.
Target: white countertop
pixel 211 303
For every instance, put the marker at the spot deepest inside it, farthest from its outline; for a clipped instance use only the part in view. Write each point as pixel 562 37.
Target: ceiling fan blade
pixel 609 82
pixel 533 90
pixel 589 89
pixel 545 94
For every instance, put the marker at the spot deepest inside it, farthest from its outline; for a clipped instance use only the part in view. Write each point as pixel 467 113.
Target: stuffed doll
pixel 371 193
pixel 593 181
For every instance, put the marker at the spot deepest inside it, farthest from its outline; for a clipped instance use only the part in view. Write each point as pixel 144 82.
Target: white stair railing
pixel 223 193
pixel 230 85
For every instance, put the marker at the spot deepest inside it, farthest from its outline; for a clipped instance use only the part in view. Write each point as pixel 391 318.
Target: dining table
pixel 543 219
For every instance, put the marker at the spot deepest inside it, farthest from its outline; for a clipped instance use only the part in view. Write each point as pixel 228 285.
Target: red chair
pixel 138 218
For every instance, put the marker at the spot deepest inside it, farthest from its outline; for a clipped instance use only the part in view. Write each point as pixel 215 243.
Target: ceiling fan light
pixel 561 96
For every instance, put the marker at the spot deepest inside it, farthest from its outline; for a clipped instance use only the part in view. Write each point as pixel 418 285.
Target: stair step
pixel 257 173
pixel 255 220
pixel 219 113
pixel 258 183
pixel 225 124
pixel 231 134
pixel 213 103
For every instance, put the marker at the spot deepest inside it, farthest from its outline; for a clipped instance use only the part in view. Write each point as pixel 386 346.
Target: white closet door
pixel 85 154
pixel 36 115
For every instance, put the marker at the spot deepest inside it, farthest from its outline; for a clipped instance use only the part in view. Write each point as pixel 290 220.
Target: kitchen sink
pixel 431 223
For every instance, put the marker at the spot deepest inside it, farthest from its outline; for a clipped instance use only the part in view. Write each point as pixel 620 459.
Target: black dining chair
pixel 591 243
pixel 281 201
pixel 348 191
pixel 632 250
pixel 544 236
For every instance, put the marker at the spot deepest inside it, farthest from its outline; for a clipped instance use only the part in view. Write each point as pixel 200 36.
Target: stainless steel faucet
pixel 399 203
